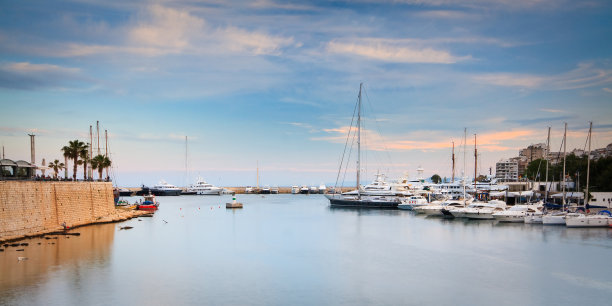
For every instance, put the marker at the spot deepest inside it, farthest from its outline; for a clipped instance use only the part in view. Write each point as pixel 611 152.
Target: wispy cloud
pixel 398 51
pixel 25 75
pixel 584 76
pixel 552 110
pixel 427 140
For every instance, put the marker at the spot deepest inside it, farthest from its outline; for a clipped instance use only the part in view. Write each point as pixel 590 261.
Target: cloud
pixel 607 90
pixel 528 121
pixel 583 76
pixel 426 140
pixel 398 51
pixel 25 75
pixel 551 110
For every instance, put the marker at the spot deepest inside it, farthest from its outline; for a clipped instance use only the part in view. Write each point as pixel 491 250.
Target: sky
pixel 273 85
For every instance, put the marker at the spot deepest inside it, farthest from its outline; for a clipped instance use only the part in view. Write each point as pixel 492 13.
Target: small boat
pixel 515 214
pixel 265 190
pixel 149 203
pixel 274 190
pixel 304 190
pixel 485 211
pixel 322 188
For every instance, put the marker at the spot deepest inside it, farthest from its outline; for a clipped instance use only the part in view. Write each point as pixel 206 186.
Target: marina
pixel 296 249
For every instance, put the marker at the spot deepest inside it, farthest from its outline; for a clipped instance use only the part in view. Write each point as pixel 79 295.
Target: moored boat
pixel 165 189
pixel 149 203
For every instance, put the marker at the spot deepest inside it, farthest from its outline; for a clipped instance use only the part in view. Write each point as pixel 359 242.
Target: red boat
pixel 149 203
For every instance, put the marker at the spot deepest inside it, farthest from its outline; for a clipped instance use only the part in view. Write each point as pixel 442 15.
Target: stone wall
pixel 28 208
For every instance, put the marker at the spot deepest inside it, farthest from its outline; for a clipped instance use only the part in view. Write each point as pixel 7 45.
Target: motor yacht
pixel 295 189
pixel 515 213
pixel 411 202
pixel 485 211
pixel 164 189
pixel 201 187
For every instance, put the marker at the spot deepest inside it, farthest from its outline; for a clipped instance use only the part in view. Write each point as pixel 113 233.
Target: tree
pixel 436 179
pixel 56 166
pixel 100 162
pixel 84 155
pixel 482 178
pixel 73 151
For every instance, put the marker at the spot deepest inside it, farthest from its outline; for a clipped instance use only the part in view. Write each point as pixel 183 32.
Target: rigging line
pixel 349 157
pixel 384 143
pixel 348 135
pixel 558 157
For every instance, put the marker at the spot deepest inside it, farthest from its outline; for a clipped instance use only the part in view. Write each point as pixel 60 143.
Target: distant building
pixel 533 152
pixel 507 170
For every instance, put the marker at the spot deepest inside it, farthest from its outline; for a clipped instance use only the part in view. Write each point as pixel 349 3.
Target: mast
pixel 464 150
pixel 586 195
pixel 475 162
pixel 186 168
pixel 564 155
pixel 106 143
pixel 98 135
pixel 359 140
pixel 257 174
pixel 453 158
pixel 90 171
pixel 547 153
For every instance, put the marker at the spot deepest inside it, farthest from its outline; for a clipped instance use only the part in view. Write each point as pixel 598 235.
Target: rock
pixel 1 250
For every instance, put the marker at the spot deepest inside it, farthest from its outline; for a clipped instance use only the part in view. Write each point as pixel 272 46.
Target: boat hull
pixel 510 218
pixel 589 221
pixel 363 203
pixel 480 216
pixel 553 220
pixel 166 192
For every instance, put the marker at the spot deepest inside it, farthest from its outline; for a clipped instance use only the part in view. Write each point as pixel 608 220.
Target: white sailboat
pixel 582 220
pixel 360 200
pixel 558 218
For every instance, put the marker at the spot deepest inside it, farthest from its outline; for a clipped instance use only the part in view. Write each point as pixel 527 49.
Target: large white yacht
pixel 164 189
pixel 379 187
pixel 203 188
pixel 484 211
pixel 515 213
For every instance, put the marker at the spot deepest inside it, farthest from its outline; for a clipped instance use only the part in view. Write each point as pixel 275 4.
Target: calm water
pixel 296 250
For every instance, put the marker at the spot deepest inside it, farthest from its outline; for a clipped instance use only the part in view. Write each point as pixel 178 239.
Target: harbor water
pixel 296 250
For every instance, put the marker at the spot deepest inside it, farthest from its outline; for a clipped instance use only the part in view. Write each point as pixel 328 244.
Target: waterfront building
pixel 16 170
pixel 507 170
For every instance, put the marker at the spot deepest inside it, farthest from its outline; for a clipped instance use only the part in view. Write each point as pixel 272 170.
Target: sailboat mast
pixel 453 157
pixel 564 155
pixel 359 139
pixel 257 174
pixel 464 150
pixel 475 162
pixel 586 195
pixel 547 153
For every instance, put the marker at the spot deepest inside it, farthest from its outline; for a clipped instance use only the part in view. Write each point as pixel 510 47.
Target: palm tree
pixel 56 166
pixel 84 155
pixel 73 151
pixel 100 162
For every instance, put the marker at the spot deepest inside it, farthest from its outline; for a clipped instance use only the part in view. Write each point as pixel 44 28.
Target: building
pixel 16 170
pixel 507 170
pixel 533 152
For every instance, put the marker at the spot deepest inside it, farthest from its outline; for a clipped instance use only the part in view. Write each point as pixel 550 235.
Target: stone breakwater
pixel 35 208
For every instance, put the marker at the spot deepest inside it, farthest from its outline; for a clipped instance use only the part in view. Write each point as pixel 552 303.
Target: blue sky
pixel 276 82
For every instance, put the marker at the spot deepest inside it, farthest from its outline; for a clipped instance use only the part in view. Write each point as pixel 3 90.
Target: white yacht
pixel 322 188
pixel 304 190
pixel 534 217
pixel 411 202
pixel 582 220
pixel 486 210
pixel 201 187
pixel 313 189
pixel 274 190
pixel 379 187
pixel 164 189
pixel 436 209
pixel 295 189
pixel 515 213
pixel 554 218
